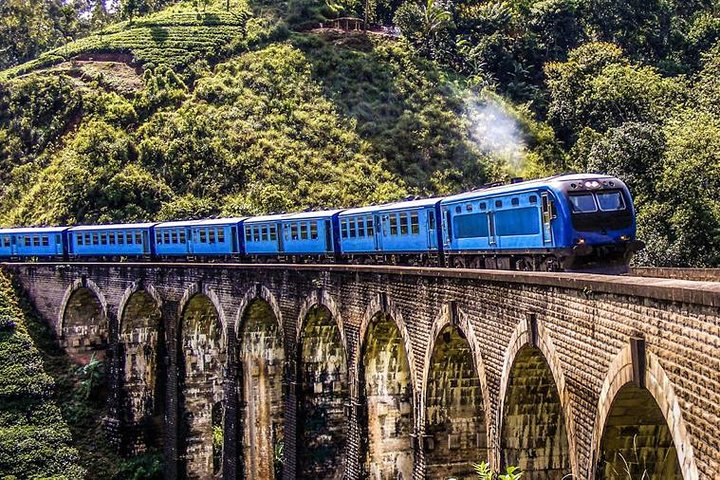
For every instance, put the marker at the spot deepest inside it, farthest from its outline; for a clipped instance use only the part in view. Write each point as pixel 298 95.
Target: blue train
pixel 579 222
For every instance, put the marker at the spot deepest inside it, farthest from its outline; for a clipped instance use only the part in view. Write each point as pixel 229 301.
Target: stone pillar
pixel 172 420
pixel 231 392
pixel 113 422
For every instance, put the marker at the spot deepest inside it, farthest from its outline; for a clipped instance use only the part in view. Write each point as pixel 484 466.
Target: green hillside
pixel 204 108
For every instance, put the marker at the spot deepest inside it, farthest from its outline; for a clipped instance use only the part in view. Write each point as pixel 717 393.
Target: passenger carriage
pixel 33 242
pixel 310 235
pixel 111 241
pixel 217 237
pixel 263 238
pixel 397 233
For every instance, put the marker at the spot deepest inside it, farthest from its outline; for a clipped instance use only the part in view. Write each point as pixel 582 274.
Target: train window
pixel 343 228
pixel 523 221
pixel 352 227
pixel 121 238
pixel 79 239
pixel 7 241
pixel 361 227
pixel 203 235
pixel 111 237
pixel 166 236
pixel 158 237
pixel 103 239
pixel 36 241
pixel 138 238
pixel 468 207
pixel 393 224
pixel 533 198
pixel 610 201
pixel 211 235
pixel 515 202
pixel 45 241
pixel 415 223
pixel 314 230
pixel 483 206
pixel 370 227
pixel 95 239
pixel 498 203
pixel 404 223
pixel 129 238
pixel 273 233
pixel 583 203
pixel 264 234
pixel 248 234
pixel 458 209
pixel 173 236
pixel 221 235
pixel 431 220
pixel 256 233
pixel 294 235
pixel 303 231
pixel 473 225
pixel 181 236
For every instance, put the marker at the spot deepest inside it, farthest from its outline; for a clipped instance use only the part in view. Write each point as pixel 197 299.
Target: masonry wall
pixel 582 325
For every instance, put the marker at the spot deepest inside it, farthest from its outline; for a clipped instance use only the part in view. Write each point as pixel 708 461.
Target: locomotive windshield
pixel 599 211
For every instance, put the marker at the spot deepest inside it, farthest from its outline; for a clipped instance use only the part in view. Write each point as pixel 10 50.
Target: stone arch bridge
pixel 288 371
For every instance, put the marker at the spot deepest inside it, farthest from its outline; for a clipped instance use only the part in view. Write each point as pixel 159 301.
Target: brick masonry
pixel 562 363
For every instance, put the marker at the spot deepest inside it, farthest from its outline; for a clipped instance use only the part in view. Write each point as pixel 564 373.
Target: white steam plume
pixel 495 132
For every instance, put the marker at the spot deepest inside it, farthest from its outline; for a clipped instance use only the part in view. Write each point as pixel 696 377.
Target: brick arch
pixel 374 308
pixel 523 337
pixel 260 292
pixel 197 289
pixel 76 285
pixel 324 299
pixel 463 324
pixel 134 288
pixel 658 384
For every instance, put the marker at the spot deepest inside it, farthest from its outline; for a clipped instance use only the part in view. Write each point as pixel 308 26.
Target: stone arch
pixel 618 383
pixel 531 343
pixel 320 297
pixel 201 289
pixel 323 391
pixel 261 367
pixel 202 361
pixel 386 391
pixel 143 371
pixel 455 412
pixel 381 304
pixel 83 322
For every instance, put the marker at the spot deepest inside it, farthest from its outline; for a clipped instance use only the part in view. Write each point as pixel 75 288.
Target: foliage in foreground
pixel 35 441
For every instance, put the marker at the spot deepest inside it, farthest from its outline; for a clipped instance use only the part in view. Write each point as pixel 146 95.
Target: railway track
pixel 697 274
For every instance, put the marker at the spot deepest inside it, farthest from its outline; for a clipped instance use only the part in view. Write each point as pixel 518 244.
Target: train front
pixel 600 217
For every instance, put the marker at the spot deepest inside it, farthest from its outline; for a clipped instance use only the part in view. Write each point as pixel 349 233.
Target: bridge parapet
pixel 591 350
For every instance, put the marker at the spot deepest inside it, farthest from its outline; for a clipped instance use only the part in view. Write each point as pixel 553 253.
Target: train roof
pixel 268 218
pixel 112 226
pixel 551 182
pixel 21 230
pixel 200 223
pixel 410 204
pixel 315 214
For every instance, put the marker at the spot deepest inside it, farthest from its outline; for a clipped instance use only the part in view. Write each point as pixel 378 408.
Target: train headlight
pixel 580 241
pixel 624 238
pixel 593 184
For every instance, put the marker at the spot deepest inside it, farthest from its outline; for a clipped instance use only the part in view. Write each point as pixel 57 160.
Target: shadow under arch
pixel 619 386
pixel 202 361
pixel 83 325
pixel 459 423
pixel 142 350
pixel 532 345
pixel 260 368
pixel 385 387
pixel 322 374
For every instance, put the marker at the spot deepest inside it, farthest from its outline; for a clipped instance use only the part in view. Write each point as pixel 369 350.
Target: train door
pixel 379 232
pixel 547 216
pixel 492 235
pixel 281 238
pixel 328 234
pixel 447 229
pixel 146 243
pixel 431 226
pixel 234 239
pixel 192 238
pixel 13 245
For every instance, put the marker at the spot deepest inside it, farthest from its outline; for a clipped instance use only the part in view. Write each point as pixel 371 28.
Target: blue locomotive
pixel 579 222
